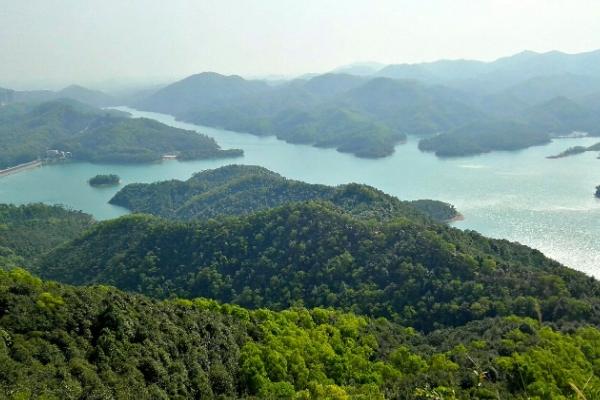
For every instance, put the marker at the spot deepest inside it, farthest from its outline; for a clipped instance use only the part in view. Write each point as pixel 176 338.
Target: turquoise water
pixel 520 196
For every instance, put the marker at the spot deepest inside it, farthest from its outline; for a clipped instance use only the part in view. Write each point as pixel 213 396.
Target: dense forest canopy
pixel 242 189
pixel 63 342
pixel 28 131
pixel 29 231
pixel 421 274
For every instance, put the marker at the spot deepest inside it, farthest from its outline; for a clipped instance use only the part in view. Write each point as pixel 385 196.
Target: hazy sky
pixel 57 42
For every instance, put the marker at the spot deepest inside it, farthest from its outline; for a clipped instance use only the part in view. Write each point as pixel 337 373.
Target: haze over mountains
pixel 459 107
pixel 473 106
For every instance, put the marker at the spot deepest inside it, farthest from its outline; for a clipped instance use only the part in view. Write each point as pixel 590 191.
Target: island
pixel 104 180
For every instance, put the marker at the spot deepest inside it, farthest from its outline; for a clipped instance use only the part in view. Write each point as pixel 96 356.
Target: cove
pixel 520 196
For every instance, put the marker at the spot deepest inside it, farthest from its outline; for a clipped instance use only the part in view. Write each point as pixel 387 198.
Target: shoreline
pixel 21 167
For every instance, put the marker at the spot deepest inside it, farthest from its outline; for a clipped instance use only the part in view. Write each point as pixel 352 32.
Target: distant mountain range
pixel 366 109
pixel 74 92
pixel 499 74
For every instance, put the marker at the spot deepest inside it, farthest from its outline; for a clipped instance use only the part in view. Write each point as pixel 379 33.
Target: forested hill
pixel 422 275
pixel 27 131
pixel 241 189
pixel 62 342
pixel 29 231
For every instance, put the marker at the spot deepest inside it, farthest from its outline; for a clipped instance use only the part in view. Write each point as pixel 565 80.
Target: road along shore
pixel 20 167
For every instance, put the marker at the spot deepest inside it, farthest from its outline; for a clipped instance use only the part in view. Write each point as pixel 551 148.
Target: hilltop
pixel 420 274
pixel 240 189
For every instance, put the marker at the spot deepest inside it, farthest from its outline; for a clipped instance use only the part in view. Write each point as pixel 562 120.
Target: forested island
pixel 241 189
pixel 104 180
pixel 30 131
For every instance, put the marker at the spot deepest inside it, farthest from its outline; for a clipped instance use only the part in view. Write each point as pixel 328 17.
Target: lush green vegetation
pixel 562 116
pixel 421 274
pixel 103 180
pixel 29 231
pixel 483 137
pixel 27 131
pixel 347 131
pixel 61 342
pixel 240 189
pixel 438 210
pixel 321 125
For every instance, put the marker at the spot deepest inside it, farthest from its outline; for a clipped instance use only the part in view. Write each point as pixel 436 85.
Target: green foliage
pixel 421 274
pixel 29 231
pixel 438 210
pixel 27 131
pixel 103 180
pixel 240 189
pixel 483 137
pixel 62 342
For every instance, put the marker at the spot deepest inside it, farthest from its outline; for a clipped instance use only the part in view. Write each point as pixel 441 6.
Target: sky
pixel 53 43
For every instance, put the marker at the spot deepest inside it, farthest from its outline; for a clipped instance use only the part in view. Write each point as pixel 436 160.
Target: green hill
pixel 422 275
pixel 29 231
pixel 483 137
pixel 240 189
pixel 88 96
pixel 306 113
pixel 363 117
pixel 411 107
pixel 200 90
pixel 27 131
pixel 562 116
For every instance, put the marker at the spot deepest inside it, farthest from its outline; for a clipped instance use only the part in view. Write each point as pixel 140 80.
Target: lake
pixel 520 195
